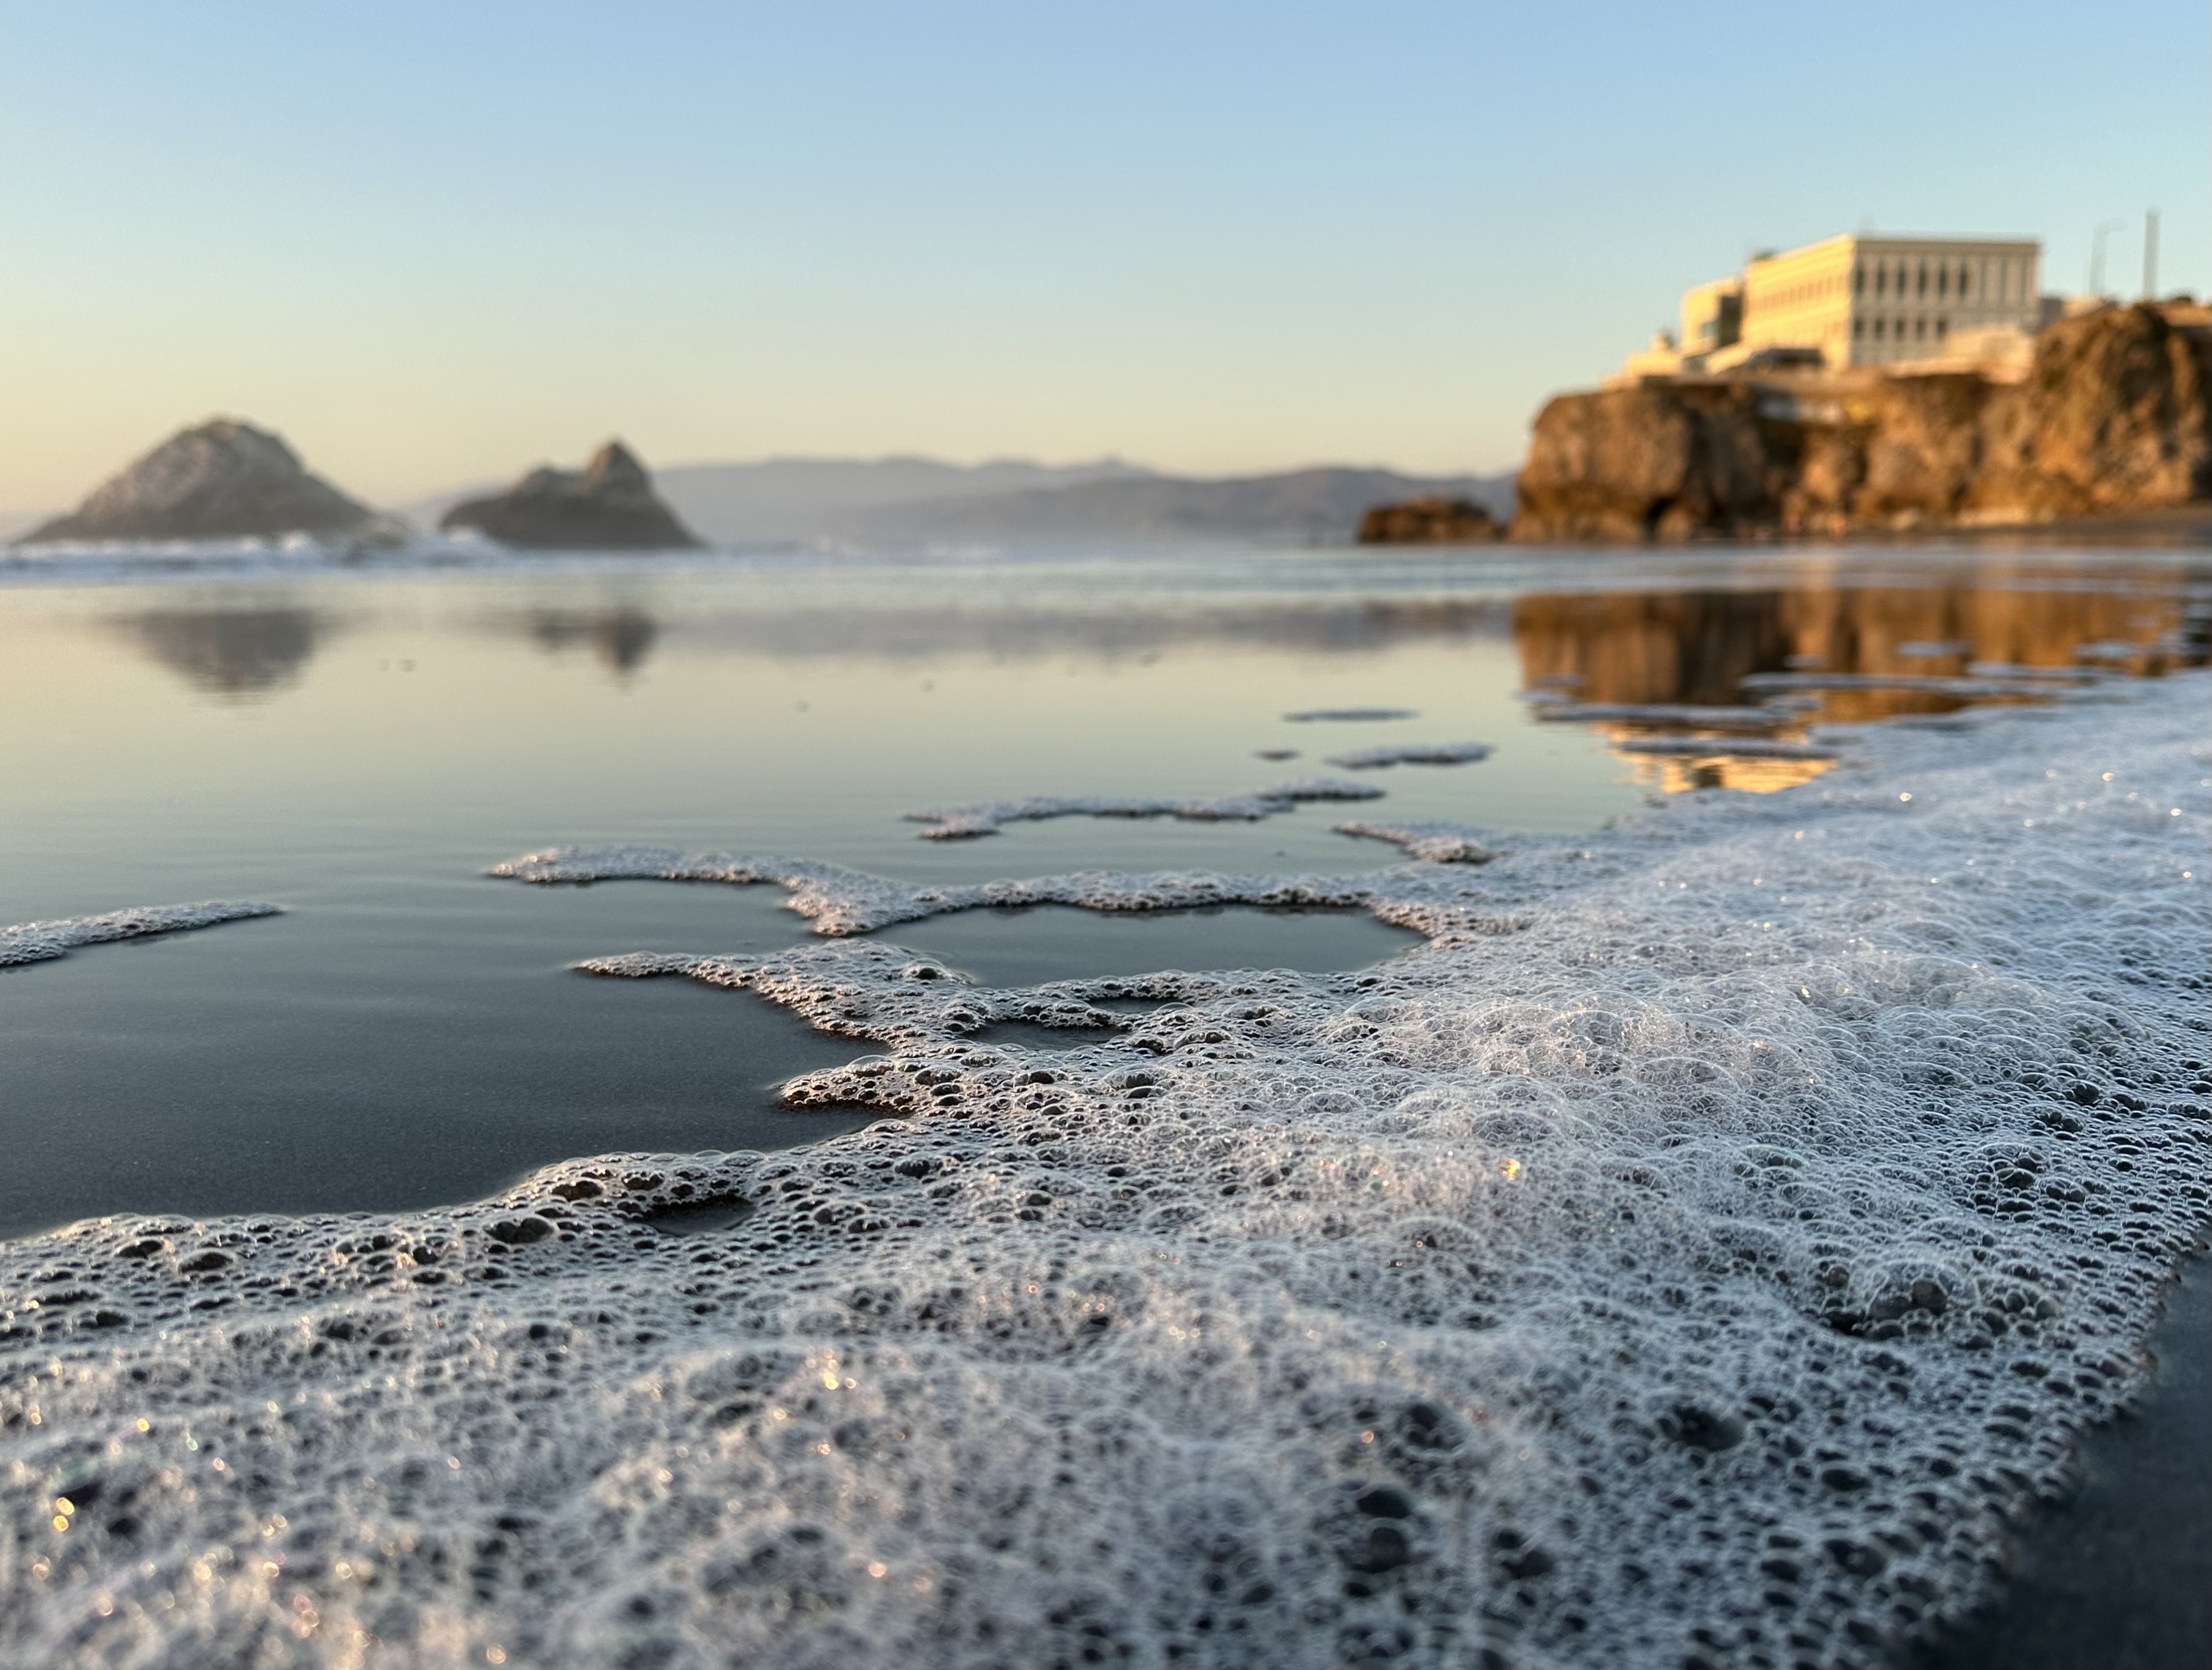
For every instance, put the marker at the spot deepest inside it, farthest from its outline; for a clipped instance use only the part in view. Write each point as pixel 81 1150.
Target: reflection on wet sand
pixel 1018 628
pixel 621 638
pixel 1995 634
pixel 240 653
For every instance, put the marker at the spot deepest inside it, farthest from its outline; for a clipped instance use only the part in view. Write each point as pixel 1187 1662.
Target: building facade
pixel 1872 300
pixel 1861 300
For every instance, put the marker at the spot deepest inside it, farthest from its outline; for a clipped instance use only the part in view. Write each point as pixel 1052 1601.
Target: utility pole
pixel 2097 256
pixel 2150 255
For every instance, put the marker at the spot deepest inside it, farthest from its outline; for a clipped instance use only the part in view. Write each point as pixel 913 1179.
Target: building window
pixel 1924 279
pixel 1858 281
pixel 1943 329
pixel 1943 281
pixel 1858 329
pixel 1919 329
pixel 1877 329
pixel 1881 280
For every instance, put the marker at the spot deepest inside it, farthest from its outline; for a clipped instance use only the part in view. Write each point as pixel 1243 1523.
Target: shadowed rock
pixel 222 480
pixel 611 506
pixel 1434 519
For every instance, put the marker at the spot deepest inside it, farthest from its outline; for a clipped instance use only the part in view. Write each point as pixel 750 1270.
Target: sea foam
pixel 41 942
pixel 1690 1254
pixel 966 823
pixel 1414 753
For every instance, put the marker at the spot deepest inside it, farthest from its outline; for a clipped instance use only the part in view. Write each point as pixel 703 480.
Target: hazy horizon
pixel 1225 243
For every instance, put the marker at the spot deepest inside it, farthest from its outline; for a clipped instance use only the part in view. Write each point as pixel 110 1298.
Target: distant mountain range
pixel 917 501
pixel 910 500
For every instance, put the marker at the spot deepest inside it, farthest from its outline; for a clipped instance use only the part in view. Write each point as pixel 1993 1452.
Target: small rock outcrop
pixel 2115 416
pixel 609 506
pixel 221 480
pixel 1434 519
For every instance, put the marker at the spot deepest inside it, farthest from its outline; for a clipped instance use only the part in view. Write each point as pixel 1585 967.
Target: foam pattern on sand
pixel 1414 753
pixel 41 942
pixel 1659 713
pixel 966 823
pixel 1431 843
pixel 846 901
pixel 1689 1256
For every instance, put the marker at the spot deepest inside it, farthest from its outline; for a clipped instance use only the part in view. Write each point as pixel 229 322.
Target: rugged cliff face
pixel 222 480
pixel 2115 416
pixel 609 506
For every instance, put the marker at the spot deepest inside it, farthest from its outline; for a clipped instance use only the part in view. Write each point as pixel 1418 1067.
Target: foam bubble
pixel 2014 669
pixel 1749 748
pixel 1694 1251
pixel 966 823
pixel 1431 843
pixel 40 941
pixel 1417 753
pixel 1661 713
pixel 846 901
pixel 1926 684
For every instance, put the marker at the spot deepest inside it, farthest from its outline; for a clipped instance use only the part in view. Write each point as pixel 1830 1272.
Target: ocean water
pixel 843 1111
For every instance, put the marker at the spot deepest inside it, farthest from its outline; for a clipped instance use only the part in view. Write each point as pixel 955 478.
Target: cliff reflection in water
pixel 1698 647
pixel 621 638
pixel 240 654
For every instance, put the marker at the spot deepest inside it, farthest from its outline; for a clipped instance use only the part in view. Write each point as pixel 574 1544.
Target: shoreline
pixel 2118 1575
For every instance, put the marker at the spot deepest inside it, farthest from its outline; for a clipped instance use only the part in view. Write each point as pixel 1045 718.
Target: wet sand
pixel 2120 1577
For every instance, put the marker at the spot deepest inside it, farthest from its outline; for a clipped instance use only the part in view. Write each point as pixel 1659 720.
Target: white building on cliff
pixel 1860 300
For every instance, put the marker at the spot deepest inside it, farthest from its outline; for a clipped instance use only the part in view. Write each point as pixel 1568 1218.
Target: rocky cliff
pixel 2115 414
pixel 1434 519
pixel 224 480
pixel 609 506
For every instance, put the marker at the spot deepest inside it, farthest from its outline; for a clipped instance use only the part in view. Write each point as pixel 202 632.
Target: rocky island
pixel 223 479
pixel 609 506
pixel 1434 519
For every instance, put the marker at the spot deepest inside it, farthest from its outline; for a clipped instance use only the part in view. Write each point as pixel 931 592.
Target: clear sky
pixel 436 243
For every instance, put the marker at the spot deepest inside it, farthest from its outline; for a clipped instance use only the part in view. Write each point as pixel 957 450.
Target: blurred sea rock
pixel 609 506
pixel 1433 518
pixel 223 479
